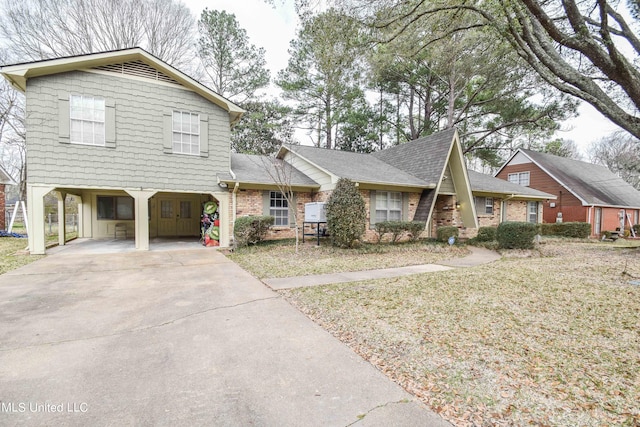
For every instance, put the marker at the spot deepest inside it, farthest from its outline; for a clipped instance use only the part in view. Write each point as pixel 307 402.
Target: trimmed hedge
pixel 346 214
pixel 399 228
pixel 249 230
pixel 516 235
pixel 580 230
pixel 443 233
pixel 486 234
pixel 636 228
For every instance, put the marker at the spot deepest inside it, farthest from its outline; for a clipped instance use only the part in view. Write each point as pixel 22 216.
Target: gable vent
pixel 138 69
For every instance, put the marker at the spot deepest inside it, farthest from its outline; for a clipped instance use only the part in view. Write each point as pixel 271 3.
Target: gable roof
pixel 424 158
pixel 255 169
pixel 18 74
pixel 592 184
pixel 483 183
pixel 358 167
pixel 5 178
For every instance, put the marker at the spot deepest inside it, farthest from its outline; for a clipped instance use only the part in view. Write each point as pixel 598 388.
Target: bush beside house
pixel 399 229
pixel 580 230
pixel 443 233
pixel 346 214
pixel 516 235
pixel 249 230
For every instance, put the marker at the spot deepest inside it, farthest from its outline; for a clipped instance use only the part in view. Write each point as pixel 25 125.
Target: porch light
pixel 457 205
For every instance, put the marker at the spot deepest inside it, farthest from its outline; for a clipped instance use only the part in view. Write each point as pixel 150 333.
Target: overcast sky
pixel 273 29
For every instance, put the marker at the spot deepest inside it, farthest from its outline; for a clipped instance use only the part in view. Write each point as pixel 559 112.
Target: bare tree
pixel 41 29
pixel 13 135
pixel 621 154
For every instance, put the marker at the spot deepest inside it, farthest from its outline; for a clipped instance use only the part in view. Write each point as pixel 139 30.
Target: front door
pixel 178 216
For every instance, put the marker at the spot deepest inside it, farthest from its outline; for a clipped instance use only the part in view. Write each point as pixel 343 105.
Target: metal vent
pixel 138 69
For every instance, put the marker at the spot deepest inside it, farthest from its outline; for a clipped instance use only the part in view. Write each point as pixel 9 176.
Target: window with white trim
pixel 86 115
pixel 279 208
pixel 484 205
pixel 520 178
pixel 388 206
pixel 186 133
pixel 532 209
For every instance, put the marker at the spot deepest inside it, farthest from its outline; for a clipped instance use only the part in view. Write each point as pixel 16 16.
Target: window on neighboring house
pixel 115 207
pixel 279 208
pixel 87 120
pixel 532 209
pixel 520 178
pixel 388 206
pixel 484 205
pixel 186 133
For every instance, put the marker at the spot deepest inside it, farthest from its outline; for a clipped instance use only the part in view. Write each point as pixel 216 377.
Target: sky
pixel 274 27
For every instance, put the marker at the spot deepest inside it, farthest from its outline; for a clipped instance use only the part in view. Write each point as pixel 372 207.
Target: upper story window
pixel 388 206
pixel 520 178
pixel 87 120
pixel 186 133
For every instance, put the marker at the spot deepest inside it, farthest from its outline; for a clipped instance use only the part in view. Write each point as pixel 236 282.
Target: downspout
pixel 234 203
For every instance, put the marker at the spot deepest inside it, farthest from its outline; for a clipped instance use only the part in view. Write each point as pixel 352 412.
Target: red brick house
pixel 584 192
pixel 5 179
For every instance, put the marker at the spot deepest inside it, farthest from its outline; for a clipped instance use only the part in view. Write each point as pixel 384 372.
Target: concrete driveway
pixel 180 337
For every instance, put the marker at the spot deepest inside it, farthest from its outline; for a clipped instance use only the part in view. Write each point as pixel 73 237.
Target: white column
pixel 62 218
pixel 141 201
pixel 225 220
pixel 35 214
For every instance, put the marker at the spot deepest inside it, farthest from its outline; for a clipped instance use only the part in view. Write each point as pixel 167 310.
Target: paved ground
pixel 477 256
pixel 182 337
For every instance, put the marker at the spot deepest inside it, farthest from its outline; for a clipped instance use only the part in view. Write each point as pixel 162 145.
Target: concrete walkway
pixel 478 256
pixel 176 338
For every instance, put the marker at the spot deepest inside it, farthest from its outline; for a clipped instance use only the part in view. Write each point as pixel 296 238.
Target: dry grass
pixel 548 337
pixel 278 259
pixel 12 254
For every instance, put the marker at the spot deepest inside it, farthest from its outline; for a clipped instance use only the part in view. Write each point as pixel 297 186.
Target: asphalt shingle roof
pixel 357 166
pixel 424 158
pixel 594 184
pixel 256 169
pixel 481 182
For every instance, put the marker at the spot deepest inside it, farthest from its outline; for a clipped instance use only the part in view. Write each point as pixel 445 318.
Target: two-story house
pixel 584 192
pixel 145 148
pixel 137 141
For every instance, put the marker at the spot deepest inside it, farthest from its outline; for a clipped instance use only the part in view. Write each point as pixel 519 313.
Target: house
pixel 584 192
pixel 422 180
pixel 138 142
pixel 145 148
pixel 5 179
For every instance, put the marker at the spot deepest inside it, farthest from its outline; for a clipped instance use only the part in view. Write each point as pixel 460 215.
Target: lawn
pixel 12 254
pixel 548 337
pixel 278 258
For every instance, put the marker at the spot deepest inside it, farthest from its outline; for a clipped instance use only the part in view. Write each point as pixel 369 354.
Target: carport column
pixel 141 200
pixel 35 215
pixel 79 217
pixel 62 218
pixel 225 221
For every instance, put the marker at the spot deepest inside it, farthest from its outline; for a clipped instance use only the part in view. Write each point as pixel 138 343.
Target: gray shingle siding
pixel 138 159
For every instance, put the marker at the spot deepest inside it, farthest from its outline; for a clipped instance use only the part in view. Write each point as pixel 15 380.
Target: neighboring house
pixel 144 147
pixel 138 142
pixel 499 201
pixel 5 179
pixel 584 192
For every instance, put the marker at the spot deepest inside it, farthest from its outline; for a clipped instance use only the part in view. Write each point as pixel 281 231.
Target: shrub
pixel 486 234
pixel 636 228
pixel 443 233
pixel 346 214
pixel 516 235
pixel 580 230
pixel 399 228
pixel 249 230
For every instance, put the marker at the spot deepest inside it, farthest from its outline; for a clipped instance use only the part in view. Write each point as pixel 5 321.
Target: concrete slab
pixel 176 338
